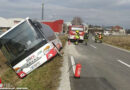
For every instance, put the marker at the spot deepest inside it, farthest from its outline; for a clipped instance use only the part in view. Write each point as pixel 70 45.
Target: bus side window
pixel 49 33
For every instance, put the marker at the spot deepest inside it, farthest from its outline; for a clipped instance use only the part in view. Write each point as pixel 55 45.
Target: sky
pixel 96 12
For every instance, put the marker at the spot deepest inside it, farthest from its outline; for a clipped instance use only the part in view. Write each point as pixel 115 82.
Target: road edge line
pixel 73 63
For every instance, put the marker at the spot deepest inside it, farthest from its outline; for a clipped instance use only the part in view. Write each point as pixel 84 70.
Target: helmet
pixel 77 31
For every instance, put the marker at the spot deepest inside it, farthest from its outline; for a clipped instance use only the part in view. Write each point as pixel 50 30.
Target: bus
pixel 28 45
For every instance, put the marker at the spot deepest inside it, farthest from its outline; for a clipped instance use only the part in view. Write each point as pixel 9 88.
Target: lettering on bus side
pixel 30 61
pixel 30 58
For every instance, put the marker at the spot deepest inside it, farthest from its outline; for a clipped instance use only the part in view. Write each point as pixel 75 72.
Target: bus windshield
pixel 19 40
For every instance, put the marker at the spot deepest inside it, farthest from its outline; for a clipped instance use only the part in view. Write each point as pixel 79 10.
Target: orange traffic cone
pixel 77 70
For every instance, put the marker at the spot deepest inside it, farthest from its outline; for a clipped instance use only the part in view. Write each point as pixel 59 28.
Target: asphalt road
pixel 103 67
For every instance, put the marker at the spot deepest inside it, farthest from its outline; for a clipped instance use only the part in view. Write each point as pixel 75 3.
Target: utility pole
pixel 42 10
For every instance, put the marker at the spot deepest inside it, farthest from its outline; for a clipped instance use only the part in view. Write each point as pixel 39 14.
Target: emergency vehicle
pixel 28 45
pixel 73 29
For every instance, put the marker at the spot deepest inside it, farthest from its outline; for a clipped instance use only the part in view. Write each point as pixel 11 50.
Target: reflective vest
pixel 100 36
pixel 77 35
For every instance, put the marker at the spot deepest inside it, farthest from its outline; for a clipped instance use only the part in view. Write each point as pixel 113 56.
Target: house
pixel 107 30
pixel 56 26
pixel 6 24
pixel 118 30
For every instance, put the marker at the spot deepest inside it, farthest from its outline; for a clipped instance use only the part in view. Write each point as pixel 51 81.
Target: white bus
pixel 28 45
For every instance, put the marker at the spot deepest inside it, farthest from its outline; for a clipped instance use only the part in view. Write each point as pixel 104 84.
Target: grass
pixel 46 77
pixel 120 41
pixel 2 64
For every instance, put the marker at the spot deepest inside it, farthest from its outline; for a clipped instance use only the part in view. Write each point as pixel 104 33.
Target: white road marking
pixel 73 63
pixel 124 63
pixel 117 47
pixel 92 46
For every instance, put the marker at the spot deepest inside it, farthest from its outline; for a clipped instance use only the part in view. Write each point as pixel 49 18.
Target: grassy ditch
pixel 120 41
pixel 46 77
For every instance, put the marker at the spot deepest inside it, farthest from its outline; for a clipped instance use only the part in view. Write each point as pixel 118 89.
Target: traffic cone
pixel 77 70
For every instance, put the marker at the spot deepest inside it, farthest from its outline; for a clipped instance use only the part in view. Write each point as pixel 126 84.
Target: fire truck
pixel 73 29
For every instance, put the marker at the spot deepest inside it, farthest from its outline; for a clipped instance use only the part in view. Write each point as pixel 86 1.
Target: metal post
pixel 42 11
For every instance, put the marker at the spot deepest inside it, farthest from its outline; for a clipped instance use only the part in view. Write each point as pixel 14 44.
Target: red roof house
pixel 117 28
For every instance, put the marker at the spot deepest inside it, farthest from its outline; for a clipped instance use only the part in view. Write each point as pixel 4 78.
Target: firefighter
pixel 77 37
pixel 86 38
pixel 96 37
pixel 100 36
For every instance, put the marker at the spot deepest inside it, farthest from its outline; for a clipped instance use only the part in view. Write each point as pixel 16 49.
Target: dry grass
pixel 46 77
pixel 3 66
pixel 120 41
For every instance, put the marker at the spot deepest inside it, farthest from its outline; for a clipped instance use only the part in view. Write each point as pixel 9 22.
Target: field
pixel 46 77
pixel 120 41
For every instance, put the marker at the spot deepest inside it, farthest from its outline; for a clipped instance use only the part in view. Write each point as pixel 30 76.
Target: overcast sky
pixel 98 12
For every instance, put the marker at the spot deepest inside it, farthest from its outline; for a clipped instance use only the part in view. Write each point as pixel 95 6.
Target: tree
pixel 65 28
pixel 77 21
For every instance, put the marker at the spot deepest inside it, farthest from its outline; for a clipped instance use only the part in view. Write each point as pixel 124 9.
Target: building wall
pixel 3 29
pixel 6 24
pixel 120 32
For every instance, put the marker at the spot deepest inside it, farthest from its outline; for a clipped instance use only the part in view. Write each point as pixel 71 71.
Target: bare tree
pixel 65 28
pixel 77 21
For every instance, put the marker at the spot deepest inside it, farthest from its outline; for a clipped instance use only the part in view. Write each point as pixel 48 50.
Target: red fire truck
pixel 73 29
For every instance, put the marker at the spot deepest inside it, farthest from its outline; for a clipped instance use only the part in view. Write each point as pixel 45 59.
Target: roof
pixel 8 22
pixel 117 27
pixel 13 27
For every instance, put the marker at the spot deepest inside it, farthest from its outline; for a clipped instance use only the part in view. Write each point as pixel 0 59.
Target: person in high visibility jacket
pixel 77 37
pixel 98 37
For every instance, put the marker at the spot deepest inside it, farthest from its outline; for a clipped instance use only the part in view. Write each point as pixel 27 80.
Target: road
pixel 103 67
